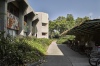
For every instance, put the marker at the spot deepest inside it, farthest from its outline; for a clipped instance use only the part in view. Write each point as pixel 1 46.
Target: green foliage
pixel 61 24
pixel 70 17
pixel 18 51
pixel 61 40
pixel 80 20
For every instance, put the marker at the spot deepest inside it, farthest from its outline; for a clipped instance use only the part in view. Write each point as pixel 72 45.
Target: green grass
pixel 61 40
pixel 17 51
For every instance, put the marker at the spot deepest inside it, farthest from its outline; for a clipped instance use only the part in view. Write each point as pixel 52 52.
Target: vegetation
pixel 61 24
pixel 61 40
pixel 20 51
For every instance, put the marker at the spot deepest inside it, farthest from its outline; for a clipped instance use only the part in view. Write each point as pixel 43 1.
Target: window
pixel 44 34
pixel 44 24
pixel 12 32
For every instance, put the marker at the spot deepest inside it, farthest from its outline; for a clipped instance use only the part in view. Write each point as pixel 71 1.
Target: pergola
pixel 88 27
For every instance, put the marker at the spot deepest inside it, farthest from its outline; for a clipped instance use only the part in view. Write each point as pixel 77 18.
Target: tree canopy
pixel 62 24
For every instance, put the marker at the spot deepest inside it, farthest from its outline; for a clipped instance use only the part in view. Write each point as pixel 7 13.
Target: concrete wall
pixel 24 10
pixel 43 18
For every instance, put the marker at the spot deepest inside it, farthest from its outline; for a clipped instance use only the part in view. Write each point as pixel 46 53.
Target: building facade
pixel 17 18
pixel 42 25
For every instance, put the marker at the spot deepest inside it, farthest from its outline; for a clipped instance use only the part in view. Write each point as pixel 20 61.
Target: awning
pixel 87 27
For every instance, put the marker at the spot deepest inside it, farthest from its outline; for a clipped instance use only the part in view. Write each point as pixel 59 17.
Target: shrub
pixel 62 40
pixel 19 51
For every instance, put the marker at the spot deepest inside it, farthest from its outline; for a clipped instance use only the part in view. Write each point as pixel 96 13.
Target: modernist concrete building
pixel 42 25
pixel 17 18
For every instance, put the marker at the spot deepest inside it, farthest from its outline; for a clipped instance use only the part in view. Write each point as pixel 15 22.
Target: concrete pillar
pixel 3 16
pixel 21 23
pixel 29 23
pixel 34 27
pixel 30 17
pixel 21 19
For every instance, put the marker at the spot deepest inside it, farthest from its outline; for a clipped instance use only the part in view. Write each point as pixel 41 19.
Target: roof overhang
pixel 22 5
pixel 87 27
pixel 30 15
pixel 35 18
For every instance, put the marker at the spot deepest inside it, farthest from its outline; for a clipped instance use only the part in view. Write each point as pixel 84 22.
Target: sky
pixel 78 8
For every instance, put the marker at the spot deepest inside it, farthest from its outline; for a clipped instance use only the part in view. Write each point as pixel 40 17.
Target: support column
pixel 29 23
pixel 22 11
pixel 21 23
pixel 34 27
pixel 3 16
pixel 30 17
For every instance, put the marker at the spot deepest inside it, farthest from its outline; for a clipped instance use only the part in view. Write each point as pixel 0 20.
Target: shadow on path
pixel 61 55
pixel 75 58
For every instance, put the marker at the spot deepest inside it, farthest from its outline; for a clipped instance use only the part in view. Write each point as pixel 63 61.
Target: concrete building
pixel 17 18
pixel 42 25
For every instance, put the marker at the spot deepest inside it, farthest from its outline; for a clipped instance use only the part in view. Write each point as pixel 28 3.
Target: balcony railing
pixel 13 21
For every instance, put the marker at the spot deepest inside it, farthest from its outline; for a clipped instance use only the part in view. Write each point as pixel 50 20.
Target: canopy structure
pixel 87 27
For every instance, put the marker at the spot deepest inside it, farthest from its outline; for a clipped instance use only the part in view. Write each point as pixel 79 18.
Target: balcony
pixel 13 21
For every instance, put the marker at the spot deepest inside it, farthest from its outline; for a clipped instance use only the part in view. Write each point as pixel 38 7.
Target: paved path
pixel 61 55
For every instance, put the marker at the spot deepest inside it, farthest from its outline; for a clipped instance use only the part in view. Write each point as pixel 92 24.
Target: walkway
pixel 61 55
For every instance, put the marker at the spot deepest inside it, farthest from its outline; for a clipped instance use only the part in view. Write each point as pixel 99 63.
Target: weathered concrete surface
pixel 61 55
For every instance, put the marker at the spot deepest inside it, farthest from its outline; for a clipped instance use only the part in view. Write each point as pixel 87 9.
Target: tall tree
pixel 70 21
pixel 70 17
pixel 86 18
pixel 80 20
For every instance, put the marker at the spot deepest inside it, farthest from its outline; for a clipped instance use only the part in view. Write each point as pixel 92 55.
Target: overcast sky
pixel 79 8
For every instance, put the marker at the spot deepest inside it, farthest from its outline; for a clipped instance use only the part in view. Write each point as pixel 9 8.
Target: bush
pixel 62 40
pixel 19 51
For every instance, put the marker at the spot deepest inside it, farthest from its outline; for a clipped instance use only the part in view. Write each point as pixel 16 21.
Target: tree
pixel 70 21
pixel 80 20
pixel 70 17
pixel 86 18
pixel 59 25
pixel 51 28
pixel 62 24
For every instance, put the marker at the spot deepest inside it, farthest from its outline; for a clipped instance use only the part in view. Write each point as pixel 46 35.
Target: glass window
pixel 44 24
pixel 12 32
pixel 44 34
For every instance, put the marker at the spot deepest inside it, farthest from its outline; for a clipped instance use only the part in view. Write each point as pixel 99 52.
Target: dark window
pixel 44 24
pixel 44 33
